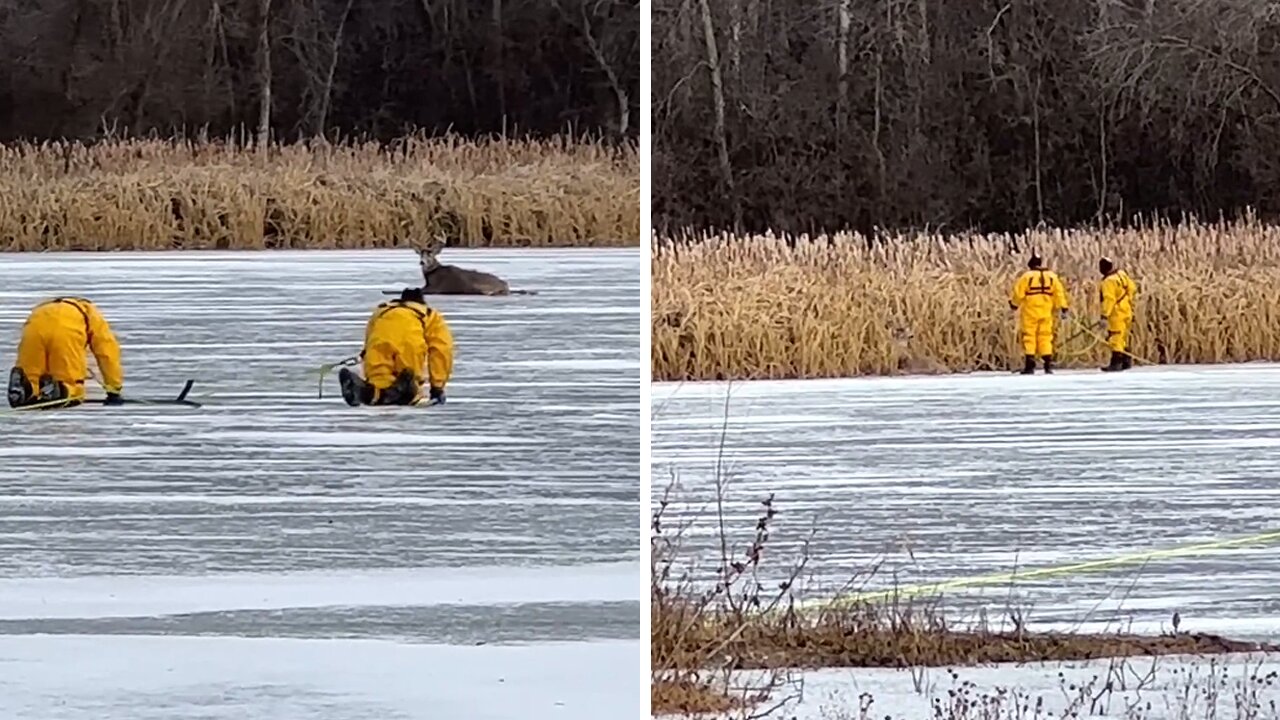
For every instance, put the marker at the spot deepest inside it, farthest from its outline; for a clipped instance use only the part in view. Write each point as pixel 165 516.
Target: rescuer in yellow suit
pixel 52 360
pixel 403 337
pixel 1036 295
pixel 1116 292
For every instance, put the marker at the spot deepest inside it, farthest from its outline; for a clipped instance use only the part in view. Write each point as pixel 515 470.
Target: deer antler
pixel 433 246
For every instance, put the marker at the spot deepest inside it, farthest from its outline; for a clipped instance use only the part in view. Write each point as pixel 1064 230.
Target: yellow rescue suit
pixel 1116 293
pixel 404 335
pixel 1036 295
pixel 54 340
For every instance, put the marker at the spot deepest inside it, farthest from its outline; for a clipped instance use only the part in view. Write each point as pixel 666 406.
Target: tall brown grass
pixel 759 307
pixel 170 194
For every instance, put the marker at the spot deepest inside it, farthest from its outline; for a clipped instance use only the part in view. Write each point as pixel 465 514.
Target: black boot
pixel 1126 361
pixel 51 389
pixel 1115 364
pixel 1048 364
pixel 404 391
pixel 20 391
pixel 1029 365
pixel 354 389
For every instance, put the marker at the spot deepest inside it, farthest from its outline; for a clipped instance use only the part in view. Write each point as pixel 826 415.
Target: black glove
pixel 1063 313
pixel 437 396
pixel 113 399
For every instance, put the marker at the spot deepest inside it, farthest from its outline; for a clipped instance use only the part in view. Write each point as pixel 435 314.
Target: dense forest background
pixel 299 68
pixel 958 114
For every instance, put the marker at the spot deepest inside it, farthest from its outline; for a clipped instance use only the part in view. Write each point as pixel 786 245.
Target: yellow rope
pixel 1088 349
pixel 43 405
pixel 1088 330
pixel 64 401
pixel 325 369
pixel 1060 348
pixel 1009 577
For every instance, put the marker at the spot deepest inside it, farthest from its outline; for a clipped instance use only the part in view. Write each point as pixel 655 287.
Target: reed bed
pixel 197 195
pixel 770 307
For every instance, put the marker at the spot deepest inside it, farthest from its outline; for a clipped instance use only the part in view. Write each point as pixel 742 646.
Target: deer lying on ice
pixel 438 279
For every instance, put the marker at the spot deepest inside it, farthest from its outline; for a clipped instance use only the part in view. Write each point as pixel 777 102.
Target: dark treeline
pixel 988 114
pixel 379 68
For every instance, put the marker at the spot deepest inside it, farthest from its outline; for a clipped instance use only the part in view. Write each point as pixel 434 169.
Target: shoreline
pixel 1071 372
pixel 285 252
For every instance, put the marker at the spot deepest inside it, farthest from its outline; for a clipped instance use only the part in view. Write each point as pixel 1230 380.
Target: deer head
pixel 427 256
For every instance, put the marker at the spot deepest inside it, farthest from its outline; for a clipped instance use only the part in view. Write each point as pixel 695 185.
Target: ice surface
pixel 163 678
pixel 1169 688
pixel 506 516
pixel 135 595
pixel 950 477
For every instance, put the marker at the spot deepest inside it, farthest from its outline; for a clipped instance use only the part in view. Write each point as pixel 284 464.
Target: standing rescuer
pixel 403 337
pixel 1116 293
pixel 1036 295
pixel 52 359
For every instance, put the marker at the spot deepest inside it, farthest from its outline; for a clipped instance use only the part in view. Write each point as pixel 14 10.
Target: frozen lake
pixel 230 678
pixel 506 516
pixel 943 478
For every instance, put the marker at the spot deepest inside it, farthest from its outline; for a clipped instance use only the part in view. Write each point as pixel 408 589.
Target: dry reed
pixel 1198 690
pixel 167 194
pixel 768 307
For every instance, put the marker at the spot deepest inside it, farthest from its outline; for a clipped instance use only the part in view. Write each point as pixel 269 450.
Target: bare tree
pixel 583 20
pixel 1206 47
pixel 844 22
pixel 307 67
pixel 317 48
pixel 264 72
pixel 995 114
pixel 717 99
pixel 497 43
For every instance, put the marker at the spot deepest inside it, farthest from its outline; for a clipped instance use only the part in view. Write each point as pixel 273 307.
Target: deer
pixel 440 279
pixel 905 361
